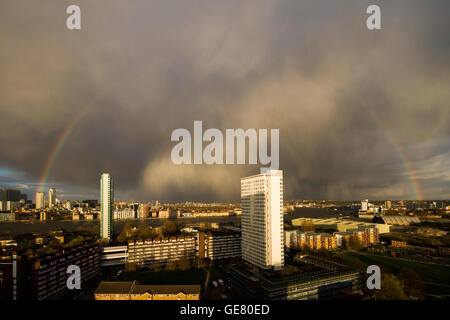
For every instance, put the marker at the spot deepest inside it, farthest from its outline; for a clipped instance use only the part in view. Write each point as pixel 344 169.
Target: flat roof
pixel 165 289
pixel 133 287
pixel 114 287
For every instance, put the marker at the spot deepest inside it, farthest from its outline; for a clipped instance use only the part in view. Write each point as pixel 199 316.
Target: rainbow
pixel 414 181
pixel 62 139
pixel 60 142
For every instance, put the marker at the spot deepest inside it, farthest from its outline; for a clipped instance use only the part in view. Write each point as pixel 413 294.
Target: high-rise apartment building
pixel 262 219
pixel 106 205
pixel 40 200
pixel 51 197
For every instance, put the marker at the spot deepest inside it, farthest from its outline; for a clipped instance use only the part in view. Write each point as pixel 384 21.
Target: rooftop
pixel 133 287
pixel 114 287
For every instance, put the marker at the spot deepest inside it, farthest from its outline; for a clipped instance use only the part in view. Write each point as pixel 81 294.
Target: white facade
pixel 125 213
pixel 40 200
pixel 106 205
pixel 12 205
pixel 364 205
pixel 51 197
pixel 291 238
pixel 262 219
pixel 67 205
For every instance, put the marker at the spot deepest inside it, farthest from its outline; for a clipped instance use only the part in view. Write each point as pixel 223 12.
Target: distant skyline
pixel 362 114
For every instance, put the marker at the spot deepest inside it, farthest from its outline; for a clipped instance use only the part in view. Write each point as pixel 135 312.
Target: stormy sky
pixel 358 110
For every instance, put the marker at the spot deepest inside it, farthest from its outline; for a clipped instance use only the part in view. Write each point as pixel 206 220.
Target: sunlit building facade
pixel 106 206
pixel 262 219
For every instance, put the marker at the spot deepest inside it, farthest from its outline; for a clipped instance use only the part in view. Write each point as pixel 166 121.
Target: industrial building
pixel 397 220
pixel 340 225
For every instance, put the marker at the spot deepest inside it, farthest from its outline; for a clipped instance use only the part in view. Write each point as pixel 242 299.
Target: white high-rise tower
pixel 262 219
pixel 106 205
pixel 51 197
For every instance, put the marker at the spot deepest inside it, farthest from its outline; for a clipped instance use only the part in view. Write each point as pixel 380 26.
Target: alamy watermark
pixel 74 280
pixel 374 280
pixel 222 151
pixel 73 21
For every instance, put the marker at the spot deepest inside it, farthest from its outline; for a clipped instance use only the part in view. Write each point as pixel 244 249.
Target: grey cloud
pixel 337 92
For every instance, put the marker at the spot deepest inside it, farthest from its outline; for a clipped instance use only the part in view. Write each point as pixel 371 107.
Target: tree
pixel 169 228
pixel 29 253
pixel 78 241
pixel 155 267
pixel 354 244
pixel 358 264
pixel 121 238
pixel 130 267
pixel 184 264
pixel 413 283
pixel 392 288
pixel 144 230
pixel 289 270
pixel 171 265
pixel 126 233
pixel 53 243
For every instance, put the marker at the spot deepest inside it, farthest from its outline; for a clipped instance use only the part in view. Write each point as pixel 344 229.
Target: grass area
pixel 440 275
pixel 191 276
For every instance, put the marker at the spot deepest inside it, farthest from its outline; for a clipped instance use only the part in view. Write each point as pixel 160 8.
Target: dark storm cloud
pixel 344 98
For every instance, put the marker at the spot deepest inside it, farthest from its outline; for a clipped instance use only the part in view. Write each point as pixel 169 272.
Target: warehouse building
pixel 340 225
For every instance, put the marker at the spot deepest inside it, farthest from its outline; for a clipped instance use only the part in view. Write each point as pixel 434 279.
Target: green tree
pixel 171 265
pixel 184 264
pixel 78 241
pixel 155 267
pixel 392 288
pixel 414 285
pixel 354 244
pixel 144 230
pixel 358 264
pixel 169 228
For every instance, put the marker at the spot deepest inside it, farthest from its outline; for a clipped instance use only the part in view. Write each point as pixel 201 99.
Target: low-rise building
pixel 7 216
pixel 216 245
pixel 48 274
pixel 320 285
pixel 144 252
pixel 132 290
pixel 45 276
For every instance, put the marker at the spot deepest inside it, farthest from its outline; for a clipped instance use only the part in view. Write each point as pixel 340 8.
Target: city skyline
pixel 362 114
